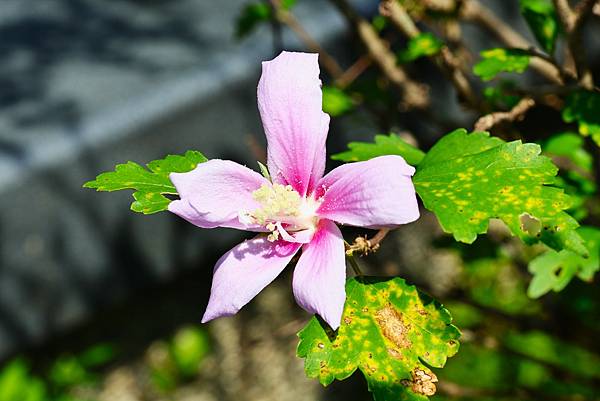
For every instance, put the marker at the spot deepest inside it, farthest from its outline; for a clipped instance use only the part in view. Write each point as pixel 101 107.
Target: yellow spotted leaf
pixel 390 332
pixel 468 179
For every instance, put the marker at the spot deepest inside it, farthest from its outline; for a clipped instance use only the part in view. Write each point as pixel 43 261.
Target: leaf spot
pixel 393 327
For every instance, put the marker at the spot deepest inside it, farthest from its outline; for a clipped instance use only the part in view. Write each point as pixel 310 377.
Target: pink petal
pixel 290 104
pixel 320 275
pixel 376 193
pixel 215 192
pixel 243 272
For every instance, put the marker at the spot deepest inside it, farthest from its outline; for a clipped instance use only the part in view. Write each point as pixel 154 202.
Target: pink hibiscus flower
pixel 300 207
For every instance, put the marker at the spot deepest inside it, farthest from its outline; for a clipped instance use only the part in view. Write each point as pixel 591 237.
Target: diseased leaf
pixel 500 60
pixel 424 44
pixel 552 271
pixel 150 184
pixel 384 145
pixel 467 179
pixel 389 331
pixel 583 107
pixel 336 102
pixel 542 20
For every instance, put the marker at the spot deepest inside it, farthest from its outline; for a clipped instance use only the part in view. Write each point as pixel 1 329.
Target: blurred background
pixel 98 303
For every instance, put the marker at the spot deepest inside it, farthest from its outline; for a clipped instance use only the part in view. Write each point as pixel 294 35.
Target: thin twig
pixel 474 11
pixel 354 264
pixel 353 72
pixel 414 94
pixel 288 19
pixel 488 121
pixel 572 21
pixel 445 59
pixel 364 245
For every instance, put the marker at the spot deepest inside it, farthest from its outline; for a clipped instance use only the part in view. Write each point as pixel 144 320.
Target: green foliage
pixel 384 145
pixel 467 179
pixel 547 349
pixel 189 348
pixel 424 44
pixel 150 184
pixel 177 359
pixel 335 101
pixel 554 270
pixel 499 96
pixel 253 14
pixel 542 20
pixel 494 282
pixel 500 60
pixel 583 108
pixel 389 331
pixel 17 384
pixel 570 145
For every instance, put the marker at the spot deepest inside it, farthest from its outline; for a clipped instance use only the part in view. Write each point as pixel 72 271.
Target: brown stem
pixel 288 19
pixel 353 72
pixel 414 95
pixel 445 59
pixel 572 22
pixel 488 121
pixel 474 11
pixel 365 246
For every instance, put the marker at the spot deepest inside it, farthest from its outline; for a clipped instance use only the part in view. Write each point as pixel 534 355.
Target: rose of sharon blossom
pixel 301 207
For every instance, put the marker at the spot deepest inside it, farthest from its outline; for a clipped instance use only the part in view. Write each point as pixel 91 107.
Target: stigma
pixel 282 211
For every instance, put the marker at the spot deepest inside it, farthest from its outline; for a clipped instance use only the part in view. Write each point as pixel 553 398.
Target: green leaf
pixel 500 97
pixel 542 20
pixel 17 384
pixel 389 331
pixel 264 171
pixel 150 184
pixel 384 145
pixel 571 146
pixel 467 179
pixel 554 270
pixel 583 108
pixel 545 348
pixel 251 16
pixel 424 44
pixel 500 60
pixel 336 102
pixel 189 347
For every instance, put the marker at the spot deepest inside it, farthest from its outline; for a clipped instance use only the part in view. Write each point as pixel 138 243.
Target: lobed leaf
pixel 384 145
pixel 500 60
pixel 150 184
pixel 542 20
pixel 552 271
pixel 390 332
pixel 468 179
pixel 583 107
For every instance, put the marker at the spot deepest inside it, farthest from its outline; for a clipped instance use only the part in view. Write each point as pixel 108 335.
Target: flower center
pixel 282 211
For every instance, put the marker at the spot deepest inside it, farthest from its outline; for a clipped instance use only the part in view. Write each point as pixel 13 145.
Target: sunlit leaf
pixel 467 179
pixel 384 145
pixel 583 108
pixel 500 60
pixel 542 20
pixel 552 271
pixel 424 44
pixel 390 332
pixel 151 184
